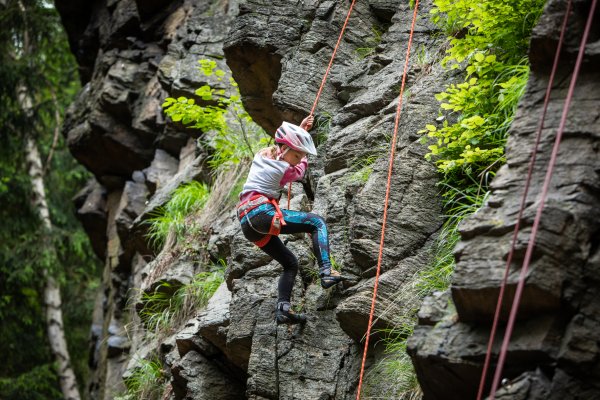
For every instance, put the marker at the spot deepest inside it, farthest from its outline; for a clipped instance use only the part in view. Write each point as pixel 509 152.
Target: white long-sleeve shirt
pixel 268 176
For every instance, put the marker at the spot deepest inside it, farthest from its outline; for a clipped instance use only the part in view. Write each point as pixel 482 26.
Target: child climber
pixel 262 220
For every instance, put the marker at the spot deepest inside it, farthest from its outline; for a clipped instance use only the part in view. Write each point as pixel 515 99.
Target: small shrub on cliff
pixel 461 204
pixel 204 285
pixel 492 40
pixel 372 42
pixel 228 129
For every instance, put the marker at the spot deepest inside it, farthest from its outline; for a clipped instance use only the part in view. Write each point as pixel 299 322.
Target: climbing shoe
pixel 285 315
pixel 330 277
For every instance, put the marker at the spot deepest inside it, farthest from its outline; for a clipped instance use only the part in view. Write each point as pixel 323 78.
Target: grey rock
pixel 148 117
pixel 187 154
pixel 396 298
pixel 169 277
pixel 118 345
pixel 132 203
pixel 244 257
pixel 255 296
pixel 139 230
pixel 213 321
pixel 558 284
pixel 160 171
pixel 193 172
pixel 147 351
pixel 534 343
pixel 529 385
pixel 195 377
pixel 433 308
pixel 384 9
pixel 149 8
pixel 123 22
pixel 90 203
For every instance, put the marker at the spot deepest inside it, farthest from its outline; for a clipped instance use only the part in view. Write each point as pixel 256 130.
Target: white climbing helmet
pixel 295 138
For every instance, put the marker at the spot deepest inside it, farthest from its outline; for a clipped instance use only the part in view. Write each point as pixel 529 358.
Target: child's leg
pixel 283 313
pixel 299 221
pixel 276 249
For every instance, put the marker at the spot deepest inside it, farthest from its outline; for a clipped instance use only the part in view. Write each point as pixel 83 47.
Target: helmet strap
pixel 281 154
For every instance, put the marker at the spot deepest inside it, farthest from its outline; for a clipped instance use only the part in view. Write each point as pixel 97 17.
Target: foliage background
pixel 49 72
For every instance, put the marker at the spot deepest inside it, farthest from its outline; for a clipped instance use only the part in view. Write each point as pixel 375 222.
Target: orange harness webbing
pixel 276 223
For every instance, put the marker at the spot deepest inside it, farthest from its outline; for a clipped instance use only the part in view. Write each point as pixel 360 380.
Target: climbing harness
pixel 386 202
pixel 532 160
pixel 543 196
pixel 314 107
pixel 276 223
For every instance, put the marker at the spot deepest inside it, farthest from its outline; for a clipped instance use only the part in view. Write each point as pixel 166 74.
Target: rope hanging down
pixel 538 136
pixel 335 49
pixel 386 202
pixel 543 195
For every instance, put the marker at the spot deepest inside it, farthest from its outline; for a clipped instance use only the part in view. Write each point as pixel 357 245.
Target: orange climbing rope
pixel 542 200
pixel 337 45
pixel 387 197
pixel 335 49
pixel 532 160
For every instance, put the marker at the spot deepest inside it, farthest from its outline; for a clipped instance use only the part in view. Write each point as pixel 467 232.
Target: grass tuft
pixel 171 217
pixel 146 382
pixel 168 306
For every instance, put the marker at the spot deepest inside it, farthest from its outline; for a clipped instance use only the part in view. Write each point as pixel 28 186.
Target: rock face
pixel 133 54
pixel 553 352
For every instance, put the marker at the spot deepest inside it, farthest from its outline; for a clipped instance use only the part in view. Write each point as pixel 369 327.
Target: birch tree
pixel 32 77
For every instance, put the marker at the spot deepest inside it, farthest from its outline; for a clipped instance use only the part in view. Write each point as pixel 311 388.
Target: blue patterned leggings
pixel 258 221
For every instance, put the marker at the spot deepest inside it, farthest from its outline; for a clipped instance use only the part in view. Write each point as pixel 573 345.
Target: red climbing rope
pixel 538 136
pixel 386 202
pixel 543 195
pixel 335 49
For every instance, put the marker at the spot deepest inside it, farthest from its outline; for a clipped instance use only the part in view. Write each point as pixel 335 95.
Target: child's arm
pixel 294 173
pixel 307 123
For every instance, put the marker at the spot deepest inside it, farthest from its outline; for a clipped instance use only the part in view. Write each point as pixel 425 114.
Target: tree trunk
pixel 52 300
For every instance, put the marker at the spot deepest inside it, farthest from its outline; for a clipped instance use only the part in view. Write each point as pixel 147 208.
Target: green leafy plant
pixel 493 43
pixel 158 307
pixel 185 200
pixel 394 375
pixel 228 128
pixel 203 286
pixel 37 384
pixel 485 104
